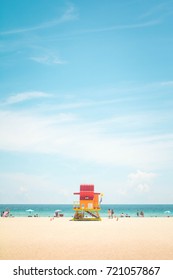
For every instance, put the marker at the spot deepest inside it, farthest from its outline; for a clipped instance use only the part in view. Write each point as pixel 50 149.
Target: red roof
pixel 89 188
pixel 86 192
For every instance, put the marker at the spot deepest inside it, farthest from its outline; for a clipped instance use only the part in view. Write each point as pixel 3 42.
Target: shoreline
pixel 45 238
pixel 48 210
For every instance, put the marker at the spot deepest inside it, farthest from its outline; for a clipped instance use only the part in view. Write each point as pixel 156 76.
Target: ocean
pixel 48 210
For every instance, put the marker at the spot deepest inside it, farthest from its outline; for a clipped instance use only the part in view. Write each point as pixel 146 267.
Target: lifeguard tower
pixel 87 207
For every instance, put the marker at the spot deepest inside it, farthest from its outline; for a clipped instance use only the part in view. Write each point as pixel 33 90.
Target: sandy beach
pixel 62 239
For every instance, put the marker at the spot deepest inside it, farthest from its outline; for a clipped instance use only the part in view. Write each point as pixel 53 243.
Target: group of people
pixel 140 214
pixel 110 213
pixel 5 213
pixel 124 215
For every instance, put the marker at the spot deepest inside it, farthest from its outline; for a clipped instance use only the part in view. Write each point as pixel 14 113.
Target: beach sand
pixel 62 239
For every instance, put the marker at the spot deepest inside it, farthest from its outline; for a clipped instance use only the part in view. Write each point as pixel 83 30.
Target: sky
pixel 86 97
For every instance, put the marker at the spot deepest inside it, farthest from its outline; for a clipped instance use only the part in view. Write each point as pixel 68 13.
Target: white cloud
pixel 141 175
pixel 141 180
pixel 23 189
pixel 143 187
pixel 20 97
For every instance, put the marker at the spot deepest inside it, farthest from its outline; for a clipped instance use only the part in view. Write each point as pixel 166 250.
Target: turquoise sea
pixel 48 210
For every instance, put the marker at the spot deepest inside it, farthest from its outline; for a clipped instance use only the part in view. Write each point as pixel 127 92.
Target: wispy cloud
pixel 121 27
pixel 24 96
pixel 167 83
pixel 69 15
pixel 161 10
pixel 131 138
pixel 69 137
pixel 48 59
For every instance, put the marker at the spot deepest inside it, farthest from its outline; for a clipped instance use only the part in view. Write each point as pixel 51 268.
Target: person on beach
pixel 141 214
pixel 109 213
pixel 112 213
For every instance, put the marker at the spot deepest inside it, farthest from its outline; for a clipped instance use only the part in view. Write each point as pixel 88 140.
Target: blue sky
pixel 86 97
